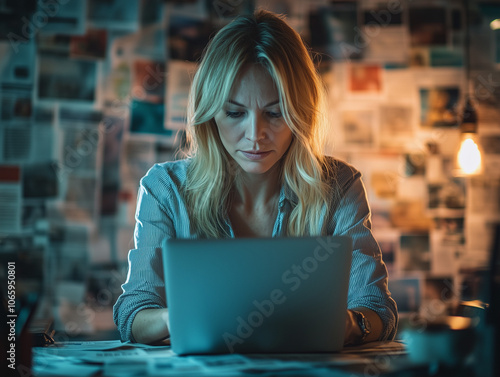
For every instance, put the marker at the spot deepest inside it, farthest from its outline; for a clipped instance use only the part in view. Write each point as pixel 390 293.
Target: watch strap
pixel 363 324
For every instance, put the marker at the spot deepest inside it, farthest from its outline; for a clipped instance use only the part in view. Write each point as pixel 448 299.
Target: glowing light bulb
pixel 469 155
pixel 495 24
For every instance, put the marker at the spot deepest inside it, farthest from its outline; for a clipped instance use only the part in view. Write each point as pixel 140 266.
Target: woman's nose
pixel 256 128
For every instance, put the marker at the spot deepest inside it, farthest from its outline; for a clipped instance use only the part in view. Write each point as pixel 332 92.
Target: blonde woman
pixel 255 169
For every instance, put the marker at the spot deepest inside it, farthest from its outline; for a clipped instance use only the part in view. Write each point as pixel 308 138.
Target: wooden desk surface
pixel 113 358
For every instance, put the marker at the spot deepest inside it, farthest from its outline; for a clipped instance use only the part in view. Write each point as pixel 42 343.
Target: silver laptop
pixel 257 295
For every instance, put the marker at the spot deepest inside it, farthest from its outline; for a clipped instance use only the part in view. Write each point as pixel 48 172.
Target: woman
pixel 256 169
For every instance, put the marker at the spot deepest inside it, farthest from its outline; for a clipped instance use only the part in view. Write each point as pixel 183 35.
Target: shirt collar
pixel 287 194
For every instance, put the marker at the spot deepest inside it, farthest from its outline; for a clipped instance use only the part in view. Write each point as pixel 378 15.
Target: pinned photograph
pixel 410 215
pixel 148 118
pixel 139 153
pixel 414 164
pixel 16 142
pixel 333 31
pixel 448 195
pixel 44 133
pixel 396 126
pixel 487 95
pixel 452 229
pixel 420 57
pixel 11 198
pixel 15 106
pixel 151 12
pixel 112 14
pixel 439 107
pixel 32 213
pixel 381 30
pixel 483 195
pixel 17 65
pixel 446 57
pixel 81 199
pixel 92 45
pixel 384 184
pixel 388 241
pixel 66 79
pixel 180 75
pixel 407 291
pixel 357 127
pixel 70 20
pixel 10 28
pixel 114 128
pixel 148 80
pixel 80 136
pixel 187 36
pixel 365 78
pixel 428 26
pixel 39 180
pixel 54 44
pixel 415 252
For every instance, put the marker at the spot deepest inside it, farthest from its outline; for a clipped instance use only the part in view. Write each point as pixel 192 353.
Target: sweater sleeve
pixel 144 287
pixel 368 278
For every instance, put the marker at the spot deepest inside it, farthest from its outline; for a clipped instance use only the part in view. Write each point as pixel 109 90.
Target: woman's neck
pixel 257 190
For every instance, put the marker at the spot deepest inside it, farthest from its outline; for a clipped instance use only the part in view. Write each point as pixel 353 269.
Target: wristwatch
pixel 364 325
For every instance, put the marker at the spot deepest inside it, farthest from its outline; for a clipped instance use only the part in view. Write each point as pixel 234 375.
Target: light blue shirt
pixel 161 213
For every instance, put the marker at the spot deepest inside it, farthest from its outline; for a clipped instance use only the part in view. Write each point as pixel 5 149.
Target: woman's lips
pixel 255 155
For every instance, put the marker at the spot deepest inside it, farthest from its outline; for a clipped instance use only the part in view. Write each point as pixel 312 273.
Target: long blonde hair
pixel 263 38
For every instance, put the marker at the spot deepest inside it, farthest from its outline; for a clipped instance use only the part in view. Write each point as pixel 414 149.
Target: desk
pixel 112 358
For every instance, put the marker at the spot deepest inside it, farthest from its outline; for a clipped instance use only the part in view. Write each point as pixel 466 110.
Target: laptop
pixel 257 295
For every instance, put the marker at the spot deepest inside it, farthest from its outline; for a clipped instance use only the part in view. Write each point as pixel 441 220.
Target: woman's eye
pixel 234 114
pixel 275 114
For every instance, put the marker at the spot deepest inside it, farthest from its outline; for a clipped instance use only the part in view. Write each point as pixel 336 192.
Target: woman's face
pixel 251 126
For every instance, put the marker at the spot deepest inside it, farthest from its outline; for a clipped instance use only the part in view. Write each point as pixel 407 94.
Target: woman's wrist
pixel 150 326
pixel 353 332
pixel 362 325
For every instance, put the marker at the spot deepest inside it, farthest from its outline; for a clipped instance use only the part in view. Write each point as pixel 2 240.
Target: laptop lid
pixel 257 295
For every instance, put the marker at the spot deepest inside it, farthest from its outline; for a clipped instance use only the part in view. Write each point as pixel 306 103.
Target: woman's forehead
pixel 254 82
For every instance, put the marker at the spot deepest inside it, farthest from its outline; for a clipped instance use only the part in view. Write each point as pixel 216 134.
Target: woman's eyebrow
pixel 241 105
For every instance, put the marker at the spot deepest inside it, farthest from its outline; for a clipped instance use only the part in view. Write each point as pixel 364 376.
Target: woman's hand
pixel 150 326
pixel 353 332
